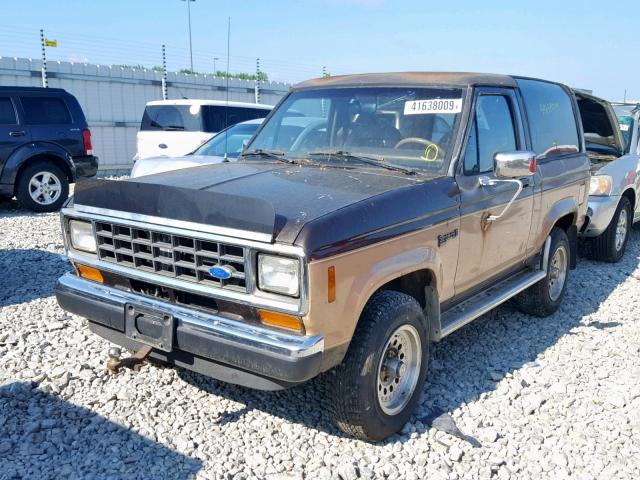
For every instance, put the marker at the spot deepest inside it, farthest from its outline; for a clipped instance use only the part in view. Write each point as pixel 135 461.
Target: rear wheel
pixel 611 244
pixel 42 187
pixel 374 391
pixel 544 298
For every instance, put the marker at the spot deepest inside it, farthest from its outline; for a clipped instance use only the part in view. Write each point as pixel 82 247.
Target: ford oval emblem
pixel 221 272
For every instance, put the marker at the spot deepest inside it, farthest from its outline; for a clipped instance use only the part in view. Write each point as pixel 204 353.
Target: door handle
pixel 19 133
pixel 485 181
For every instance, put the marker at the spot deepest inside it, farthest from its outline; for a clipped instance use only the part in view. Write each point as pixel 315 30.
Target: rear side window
pixel 171 117
pixel 552 122
pixel 7 112
pixel 492 132
pixel 217 118
pixel 45 110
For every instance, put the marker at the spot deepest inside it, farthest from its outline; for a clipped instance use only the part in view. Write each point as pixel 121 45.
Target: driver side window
pixel 492 131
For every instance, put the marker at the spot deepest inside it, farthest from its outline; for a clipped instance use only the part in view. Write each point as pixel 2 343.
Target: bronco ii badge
pixel 221 272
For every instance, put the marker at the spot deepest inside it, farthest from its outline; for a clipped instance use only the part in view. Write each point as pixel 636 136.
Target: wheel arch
pixel 564 215
pixel 27 155
pixel 630 193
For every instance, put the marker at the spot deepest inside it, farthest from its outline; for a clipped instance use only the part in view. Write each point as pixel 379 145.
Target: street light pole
pixel 214 64
pixel 190 43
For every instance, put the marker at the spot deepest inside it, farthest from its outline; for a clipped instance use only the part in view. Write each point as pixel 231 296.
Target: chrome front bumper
pixel 599 214
pixel 232 344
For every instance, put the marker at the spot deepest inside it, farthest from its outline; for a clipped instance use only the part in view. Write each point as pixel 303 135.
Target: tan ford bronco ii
pixel 369 216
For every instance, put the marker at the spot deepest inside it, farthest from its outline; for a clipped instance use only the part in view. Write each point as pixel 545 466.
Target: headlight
pixel 81 234
pixel 279 275
pixel 600 185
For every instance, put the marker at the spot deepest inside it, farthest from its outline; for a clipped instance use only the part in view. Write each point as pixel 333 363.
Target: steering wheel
pixel 437 149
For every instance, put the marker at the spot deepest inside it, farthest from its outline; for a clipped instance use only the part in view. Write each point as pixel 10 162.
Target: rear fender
pixel 562 208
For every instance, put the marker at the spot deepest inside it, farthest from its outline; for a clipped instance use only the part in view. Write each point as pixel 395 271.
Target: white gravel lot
pixel 546 398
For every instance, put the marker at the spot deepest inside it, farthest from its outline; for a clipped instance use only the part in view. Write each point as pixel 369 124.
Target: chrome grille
pixel 176 256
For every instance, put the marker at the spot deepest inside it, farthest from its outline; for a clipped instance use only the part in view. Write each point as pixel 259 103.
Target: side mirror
pixel 514 164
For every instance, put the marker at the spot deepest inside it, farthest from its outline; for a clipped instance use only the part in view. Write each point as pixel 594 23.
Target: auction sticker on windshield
pixel 433 106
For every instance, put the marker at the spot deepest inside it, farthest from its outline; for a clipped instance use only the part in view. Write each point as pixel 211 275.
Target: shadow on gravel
pixel 465 365
pixel 11 208
pixel 42 436
pixel 26 275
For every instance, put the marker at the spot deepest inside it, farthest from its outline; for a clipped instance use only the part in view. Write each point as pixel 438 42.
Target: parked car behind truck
pixel 45 144
pixel 615 181
pixel 177 127
pixel 225 145
pixel 412 204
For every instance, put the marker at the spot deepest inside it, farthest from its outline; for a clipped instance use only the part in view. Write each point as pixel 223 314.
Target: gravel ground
pixel 546 398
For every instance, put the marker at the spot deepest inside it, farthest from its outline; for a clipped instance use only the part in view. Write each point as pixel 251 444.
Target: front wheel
pixel 544 298
pixel 611 244
pixel 373 392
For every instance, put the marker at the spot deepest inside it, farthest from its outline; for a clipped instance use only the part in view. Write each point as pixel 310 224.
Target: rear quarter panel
pixel 563 190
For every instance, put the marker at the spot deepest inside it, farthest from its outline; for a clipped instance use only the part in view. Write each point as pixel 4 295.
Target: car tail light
pixel 86 139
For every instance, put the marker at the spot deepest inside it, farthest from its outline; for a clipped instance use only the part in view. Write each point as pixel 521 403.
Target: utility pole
pixel 189 17
pixel 214 64
pixel 324 71
pixel 165 93
pixel 45 82
pixel 257 80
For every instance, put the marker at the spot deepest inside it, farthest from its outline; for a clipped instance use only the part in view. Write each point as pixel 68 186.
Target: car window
pixel 7 112
pixel 172 117
pixel 45 110
pixel 216 118
pixel 231 140
pixel 554 130
pixel 626 127
pixel 492 131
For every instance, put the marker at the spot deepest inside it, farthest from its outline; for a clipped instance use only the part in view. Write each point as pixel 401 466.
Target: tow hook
pixel 134 362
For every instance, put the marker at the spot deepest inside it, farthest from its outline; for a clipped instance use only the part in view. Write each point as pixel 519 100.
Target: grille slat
pixel 170 255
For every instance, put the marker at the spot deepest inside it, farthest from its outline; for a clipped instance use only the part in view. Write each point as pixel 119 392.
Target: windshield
pixel 407 127
pixel 232 140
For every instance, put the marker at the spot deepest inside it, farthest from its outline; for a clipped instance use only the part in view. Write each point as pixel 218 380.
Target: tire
pixel 544 297
pixel 609 247
pixel 352 387
pixel 55 189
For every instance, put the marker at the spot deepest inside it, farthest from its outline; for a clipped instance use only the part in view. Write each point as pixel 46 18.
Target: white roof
pixel 195 101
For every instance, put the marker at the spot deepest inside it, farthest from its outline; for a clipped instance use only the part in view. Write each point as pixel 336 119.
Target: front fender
pixel 23 154
pixel 360 273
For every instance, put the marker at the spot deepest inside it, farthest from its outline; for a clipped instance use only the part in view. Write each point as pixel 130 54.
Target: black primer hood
pixel 263 197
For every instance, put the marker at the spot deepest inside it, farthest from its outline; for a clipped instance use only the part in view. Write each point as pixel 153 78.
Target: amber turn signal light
pixel 90 273
pixel 331 284
pixel 281 320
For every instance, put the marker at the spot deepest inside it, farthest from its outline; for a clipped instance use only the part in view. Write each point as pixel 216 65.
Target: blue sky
pixel 564 40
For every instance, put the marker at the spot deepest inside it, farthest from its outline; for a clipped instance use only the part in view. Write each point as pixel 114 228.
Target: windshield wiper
pixel 379 162
pixel 260 152
pixel 166 127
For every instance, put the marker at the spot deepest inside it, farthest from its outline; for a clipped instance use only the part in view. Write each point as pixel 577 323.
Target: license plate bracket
pixel 149 326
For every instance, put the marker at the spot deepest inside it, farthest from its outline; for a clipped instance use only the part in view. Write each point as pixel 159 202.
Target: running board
pixel 467 311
